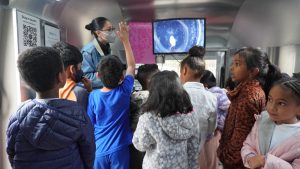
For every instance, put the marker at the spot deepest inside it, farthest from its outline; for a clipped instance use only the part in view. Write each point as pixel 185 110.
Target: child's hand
pixel 87 84
pixel 256 162
pixel 123 32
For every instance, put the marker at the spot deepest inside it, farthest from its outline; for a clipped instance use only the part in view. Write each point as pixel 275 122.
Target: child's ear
pixel 183 73
pixel 72 69
pixel 184 70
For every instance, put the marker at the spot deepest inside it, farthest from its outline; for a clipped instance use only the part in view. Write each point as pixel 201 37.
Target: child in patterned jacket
pixel 168 130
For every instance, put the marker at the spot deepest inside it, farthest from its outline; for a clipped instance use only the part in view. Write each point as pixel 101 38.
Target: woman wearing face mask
pixel 104 33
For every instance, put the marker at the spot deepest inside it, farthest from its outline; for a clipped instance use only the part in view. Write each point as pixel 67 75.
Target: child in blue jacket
pixel 48 132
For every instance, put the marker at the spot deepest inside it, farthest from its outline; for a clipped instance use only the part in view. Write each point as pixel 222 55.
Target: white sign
pixel 52 35
pixel 29 33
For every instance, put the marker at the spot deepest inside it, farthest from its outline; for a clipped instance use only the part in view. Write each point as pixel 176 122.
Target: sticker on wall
pixel 52 35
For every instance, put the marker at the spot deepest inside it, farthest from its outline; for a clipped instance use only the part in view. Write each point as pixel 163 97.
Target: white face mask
pixel 110 36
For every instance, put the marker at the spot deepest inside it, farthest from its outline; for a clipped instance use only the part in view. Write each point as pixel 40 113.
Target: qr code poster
pixel 29 31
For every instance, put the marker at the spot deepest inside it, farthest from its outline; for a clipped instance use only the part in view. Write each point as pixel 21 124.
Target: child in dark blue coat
pixel 48 132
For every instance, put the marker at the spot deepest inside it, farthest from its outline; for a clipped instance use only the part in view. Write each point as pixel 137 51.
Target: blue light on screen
pixel 177 35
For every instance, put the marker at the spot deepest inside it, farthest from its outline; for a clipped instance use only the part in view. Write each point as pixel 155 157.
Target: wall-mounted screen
pixel 177 35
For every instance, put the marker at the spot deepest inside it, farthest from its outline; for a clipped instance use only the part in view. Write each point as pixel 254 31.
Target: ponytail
pixel 270 75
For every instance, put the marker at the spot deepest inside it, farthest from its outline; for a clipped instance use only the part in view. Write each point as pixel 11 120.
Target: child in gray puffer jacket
pixel 167 130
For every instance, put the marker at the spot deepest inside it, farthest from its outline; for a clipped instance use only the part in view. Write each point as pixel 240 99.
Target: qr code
pixel 29 36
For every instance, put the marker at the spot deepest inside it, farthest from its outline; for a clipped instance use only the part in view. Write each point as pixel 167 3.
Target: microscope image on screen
pixel 177 35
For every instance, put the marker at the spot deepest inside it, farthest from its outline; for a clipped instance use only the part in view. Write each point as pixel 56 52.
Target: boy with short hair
pixel 108 108
pixel 72 60
pixel 48 132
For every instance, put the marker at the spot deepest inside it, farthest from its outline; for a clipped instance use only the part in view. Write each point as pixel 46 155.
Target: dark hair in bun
pixel 197 51
pixel 96 24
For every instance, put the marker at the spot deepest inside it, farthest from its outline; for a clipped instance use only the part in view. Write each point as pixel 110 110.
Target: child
pixel 72 59
pixel 273 142
pixel 209 81
pixel 204 102
pixel 108 108
pixel 250 70
pixel 48 132
pixel 167 130
pixel 144 74
pixel 208 157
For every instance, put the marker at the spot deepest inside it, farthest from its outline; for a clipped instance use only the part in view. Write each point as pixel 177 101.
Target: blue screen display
pixel 177 35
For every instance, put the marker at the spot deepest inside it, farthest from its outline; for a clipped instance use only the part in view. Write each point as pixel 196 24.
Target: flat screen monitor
pixel 178 35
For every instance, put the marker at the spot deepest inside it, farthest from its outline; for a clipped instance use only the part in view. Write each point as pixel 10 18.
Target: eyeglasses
pixel 110 29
